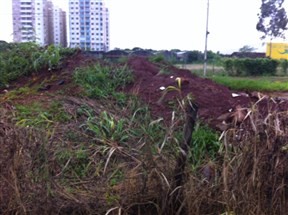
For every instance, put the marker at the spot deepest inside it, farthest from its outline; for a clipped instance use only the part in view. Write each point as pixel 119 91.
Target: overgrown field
pixel 77 137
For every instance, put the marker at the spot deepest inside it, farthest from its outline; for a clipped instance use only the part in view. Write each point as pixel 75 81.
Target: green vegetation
pixel 101 81
pixel 101 152
pixel 37 116
pixel 205 145
pixel 250 67
pixel 283 64
pixel 157 58
pixel 252 84
pixel 21 59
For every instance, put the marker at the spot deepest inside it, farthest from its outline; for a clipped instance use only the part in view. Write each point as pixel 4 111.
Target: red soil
pixel 212 99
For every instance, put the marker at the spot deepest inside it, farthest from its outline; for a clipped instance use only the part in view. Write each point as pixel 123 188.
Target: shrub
pixel 283 66
pixel 157 58
pixel 251 67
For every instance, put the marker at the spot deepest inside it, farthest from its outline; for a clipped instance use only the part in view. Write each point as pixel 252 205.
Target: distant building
pixel 33 21
pixel 89 25
pixel 248 55
pixel 59 35
pixel 277 50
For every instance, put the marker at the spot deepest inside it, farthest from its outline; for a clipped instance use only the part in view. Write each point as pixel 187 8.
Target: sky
pixel 171 24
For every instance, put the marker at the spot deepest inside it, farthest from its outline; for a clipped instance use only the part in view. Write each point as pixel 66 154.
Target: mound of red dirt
pixel 150 79
pixel 212 99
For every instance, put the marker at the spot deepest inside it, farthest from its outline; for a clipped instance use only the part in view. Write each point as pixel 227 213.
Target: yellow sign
pixel 277 50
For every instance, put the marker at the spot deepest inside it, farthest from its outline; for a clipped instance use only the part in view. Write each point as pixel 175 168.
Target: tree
pixel 272 19
pixel 194 56
pixel 246 48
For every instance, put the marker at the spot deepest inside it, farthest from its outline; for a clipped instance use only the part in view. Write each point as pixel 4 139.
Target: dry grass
pixel 49 174
pixel 251 178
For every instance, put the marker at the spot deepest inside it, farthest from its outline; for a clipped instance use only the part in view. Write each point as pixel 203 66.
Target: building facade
pixel 58 32
pixel 89 25
pixel 35 21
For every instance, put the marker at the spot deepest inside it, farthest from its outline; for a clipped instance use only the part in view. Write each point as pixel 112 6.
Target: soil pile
pixel 212 99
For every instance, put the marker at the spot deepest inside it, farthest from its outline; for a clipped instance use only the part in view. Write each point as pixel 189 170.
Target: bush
pixel 283 66
pixel 157 58
pixel 251 67
pixel 19 59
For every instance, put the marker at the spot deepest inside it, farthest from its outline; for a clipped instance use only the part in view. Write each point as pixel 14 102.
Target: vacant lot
pixel 88 136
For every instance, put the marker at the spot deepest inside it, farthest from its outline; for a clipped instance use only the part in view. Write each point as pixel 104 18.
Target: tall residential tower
pixel 38 21
pixel 89 25
pixel 30 21
pixel 59 35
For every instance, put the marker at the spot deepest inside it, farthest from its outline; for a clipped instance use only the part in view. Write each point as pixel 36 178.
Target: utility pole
pixel 206 39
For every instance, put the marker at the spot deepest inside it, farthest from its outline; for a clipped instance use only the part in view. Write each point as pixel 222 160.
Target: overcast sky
pixel 171 24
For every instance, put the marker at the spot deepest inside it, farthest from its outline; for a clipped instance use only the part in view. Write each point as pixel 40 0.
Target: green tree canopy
pixel 272 19
pixel 247 48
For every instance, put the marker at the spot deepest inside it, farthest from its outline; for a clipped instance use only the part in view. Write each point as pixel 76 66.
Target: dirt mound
pixel 72 156
pixel 212 99
pixel 154 83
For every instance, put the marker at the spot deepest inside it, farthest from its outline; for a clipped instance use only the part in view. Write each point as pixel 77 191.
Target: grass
pixel 21 59
pixel 36 115
pixel 198 69
pixel 205 145
pixel 252 84
pixel 112 155
pixel 17 93
pixel 103 82
pixel 258 83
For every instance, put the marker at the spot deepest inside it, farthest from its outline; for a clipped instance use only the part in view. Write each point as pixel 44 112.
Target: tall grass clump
pixel 19 59
pixel 102 81
pixel 205 145
pixel 250 175
pixel 100 160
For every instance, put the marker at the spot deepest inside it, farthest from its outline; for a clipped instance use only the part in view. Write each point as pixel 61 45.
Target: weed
pixel 18 93
pixel 103 81
pixel 106 127
pixel 157 59
pixel 25 58
pixel 36 116
pixel 116 177
pixel 111 198
pixel 205 145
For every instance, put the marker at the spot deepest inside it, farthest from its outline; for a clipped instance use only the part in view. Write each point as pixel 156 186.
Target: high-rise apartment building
pixel 59 36
pixel 89 25
pixel 36 20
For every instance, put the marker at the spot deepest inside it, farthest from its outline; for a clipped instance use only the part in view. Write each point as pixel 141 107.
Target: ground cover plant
pixel 265 84
pixel 94 137
pixel 21 59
